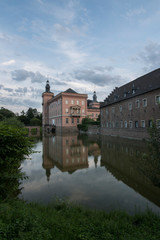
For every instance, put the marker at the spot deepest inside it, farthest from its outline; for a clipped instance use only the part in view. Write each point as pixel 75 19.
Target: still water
pixel 96 171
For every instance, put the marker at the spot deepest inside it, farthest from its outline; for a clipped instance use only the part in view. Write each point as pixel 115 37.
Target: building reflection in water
pixel 66 152
pixel 128 161
pixel 124 159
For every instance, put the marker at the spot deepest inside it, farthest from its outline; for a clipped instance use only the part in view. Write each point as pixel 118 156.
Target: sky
pixel 86 45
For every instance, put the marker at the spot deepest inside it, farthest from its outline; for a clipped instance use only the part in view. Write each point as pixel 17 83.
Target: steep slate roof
pixel 70 90
pixel 141 85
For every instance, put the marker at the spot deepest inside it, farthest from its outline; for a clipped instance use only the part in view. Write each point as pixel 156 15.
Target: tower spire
pixel 47 86
pixel 94 97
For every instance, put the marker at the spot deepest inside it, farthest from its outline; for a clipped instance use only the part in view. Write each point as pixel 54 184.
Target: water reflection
pixel 97 171
pixel 129 163
pixel 67 153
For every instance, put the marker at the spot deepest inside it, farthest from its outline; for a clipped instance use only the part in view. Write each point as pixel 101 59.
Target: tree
pixel 35 122
pixel 13 121
pixel 14 147
pixel 6 113
pixel 30 113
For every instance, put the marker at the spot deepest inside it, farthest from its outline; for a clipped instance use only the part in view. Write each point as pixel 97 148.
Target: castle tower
pixel 94 97
pixel 94 103
pixel 45 107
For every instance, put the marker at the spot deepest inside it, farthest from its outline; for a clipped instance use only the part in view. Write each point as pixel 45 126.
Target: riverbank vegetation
pixel 61 220
pixel 14 147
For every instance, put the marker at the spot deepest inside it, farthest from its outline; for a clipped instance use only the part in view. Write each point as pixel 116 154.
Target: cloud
pixel 8 89
pixel 4 36
pixel 10 62
pixel 150 56
pixel 13 101
pixel 56 82
pixel 135 12
pixel 102 69
pixel 22 75
pixel 100 79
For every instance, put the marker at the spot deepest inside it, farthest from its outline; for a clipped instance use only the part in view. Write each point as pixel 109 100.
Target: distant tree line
pixel 29 118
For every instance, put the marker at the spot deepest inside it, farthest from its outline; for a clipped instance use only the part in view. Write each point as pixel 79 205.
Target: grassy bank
pixel 19 220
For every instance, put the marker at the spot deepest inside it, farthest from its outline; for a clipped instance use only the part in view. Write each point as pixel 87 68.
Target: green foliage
pixel 86 122
pixel 34 131
pixel 6 113
pixel 13 121
pixel 61 220
pixel 35 122
pixel 23 119
pixel 14 146
pixel 32 117
pixel 1 117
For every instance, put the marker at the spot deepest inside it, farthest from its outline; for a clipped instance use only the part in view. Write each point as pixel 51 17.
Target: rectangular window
pixel 130 124
pixel 117 124
pixel 66 101
pixel 107 124
pixel 137 103
pixel 158 123
pixel 67 110
pixel 120 108
pixel 136 124
pixel 157 99
pixel 130 106
pixel 143 123
pixel 82 110
pixel 113 109
pixel 77 120
pixel 66 120
pixel 82 102
pixel 72 101
pixel 144 102
pixel 125 124
pixel 150 123
pixel 72 120
pixel 106 111
pixel 77 101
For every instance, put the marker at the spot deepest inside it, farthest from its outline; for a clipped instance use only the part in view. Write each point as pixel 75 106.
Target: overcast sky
pixel 85 45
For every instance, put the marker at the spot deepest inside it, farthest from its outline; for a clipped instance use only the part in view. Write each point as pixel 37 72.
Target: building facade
pixel 67 109
pixel 132 108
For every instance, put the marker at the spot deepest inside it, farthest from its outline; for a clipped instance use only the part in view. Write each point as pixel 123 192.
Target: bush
pixel 14 147
pixel 35 122
pixel 34 131
pixel 86 122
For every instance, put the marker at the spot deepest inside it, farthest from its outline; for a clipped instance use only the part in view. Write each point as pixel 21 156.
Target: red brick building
pixel 132 108
pixel 67 109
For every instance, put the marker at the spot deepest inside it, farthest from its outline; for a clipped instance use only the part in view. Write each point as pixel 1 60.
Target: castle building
pixel 132 108
pixel 67 109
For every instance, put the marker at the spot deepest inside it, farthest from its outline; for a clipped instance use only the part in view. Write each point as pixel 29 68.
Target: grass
pixel 61 220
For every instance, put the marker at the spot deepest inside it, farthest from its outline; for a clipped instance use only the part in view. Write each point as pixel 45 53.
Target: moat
pixel 99 172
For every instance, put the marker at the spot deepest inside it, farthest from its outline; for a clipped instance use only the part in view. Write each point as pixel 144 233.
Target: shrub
pixel 14 147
